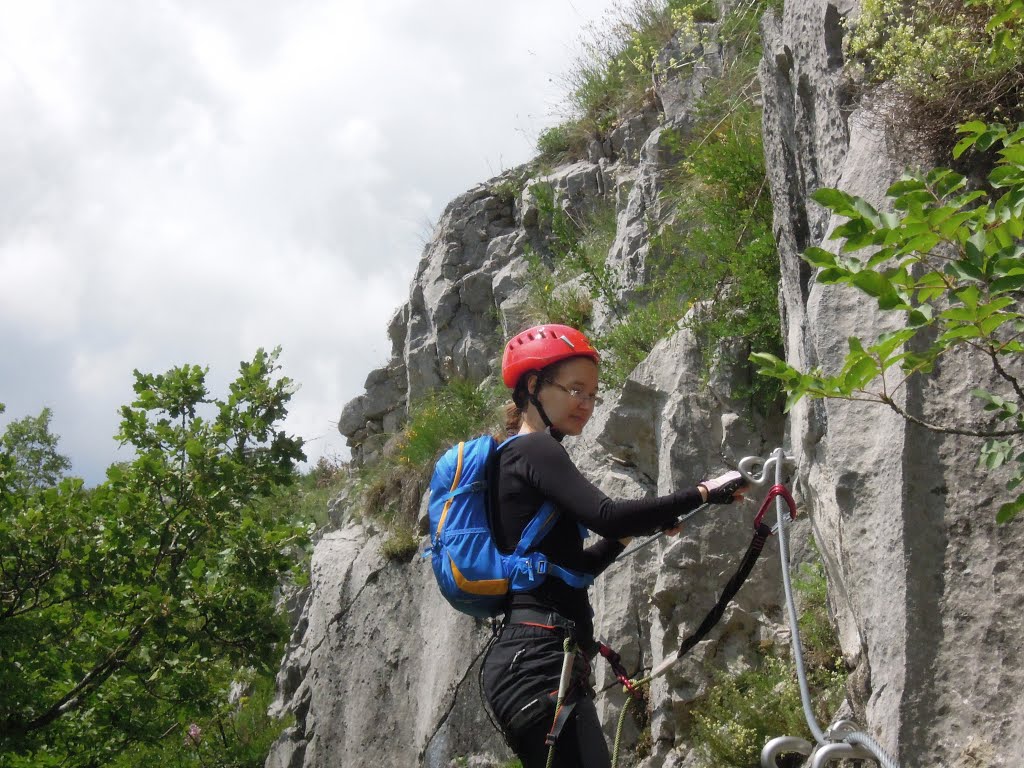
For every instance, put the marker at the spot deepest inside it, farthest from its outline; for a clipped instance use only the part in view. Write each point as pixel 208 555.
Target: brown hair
pixel 513 419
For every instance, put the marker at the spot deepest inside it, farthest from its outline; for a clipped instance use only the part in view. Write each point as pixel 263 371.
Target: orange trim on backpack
pixel 455 484
pixel 481 587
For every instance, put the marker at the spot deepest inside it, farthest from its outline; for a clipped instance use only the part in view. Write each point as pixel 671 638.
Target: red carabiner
pixel 775 490
pixel 615 661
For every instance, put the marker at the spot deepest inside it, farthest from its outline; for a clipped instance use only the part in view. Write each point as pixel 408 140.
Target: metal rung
pixel 829 752
pixel 783 745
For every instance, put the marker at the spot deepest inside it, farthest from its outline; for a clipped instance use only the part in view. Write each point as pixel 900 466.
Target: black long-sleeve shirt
pixel 536 468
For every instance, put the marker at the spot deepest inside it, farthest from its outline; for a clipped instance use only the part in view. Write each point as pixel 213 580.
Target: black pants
pixel 520 676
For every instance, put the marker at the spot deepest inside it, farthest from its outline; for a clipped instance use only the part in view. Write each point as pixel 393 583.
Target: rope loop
pixel 615 662
pixel 775 490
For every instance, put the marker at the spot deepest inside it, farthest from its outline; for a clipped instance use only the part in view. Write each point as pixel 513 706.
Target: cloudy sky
pixel 184 181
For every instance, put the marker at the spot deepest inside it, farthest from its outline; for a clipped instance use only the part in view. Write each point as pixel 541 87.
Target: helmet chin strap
pixel 555 433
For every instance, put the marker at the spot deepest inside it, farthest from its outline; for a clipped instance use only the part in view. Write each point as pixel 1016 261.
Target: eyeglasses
pixel 577 394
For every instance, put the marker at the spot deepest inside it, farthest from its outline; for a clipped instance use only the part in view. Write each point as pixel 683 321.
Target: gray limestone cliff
pixel 923 584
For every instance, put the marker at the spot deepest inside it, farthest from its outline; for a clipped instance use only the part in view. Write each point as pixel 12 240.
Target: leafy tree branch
pixel 145 595
pixel 950 259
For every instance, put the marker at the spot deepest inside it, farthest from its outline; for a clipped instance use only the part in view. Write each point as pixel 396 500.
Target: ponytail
pixel 513 419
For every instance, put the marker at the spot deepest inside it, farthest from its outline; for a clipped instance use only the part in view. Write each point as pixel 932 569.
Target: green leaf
pixel 819 257
pixel 994 460
pixel 932 280
pixel 905 185
pixel 860 373
pixel 838 201
pixel 1010 510
pixel 889 221
pixel 962 201
pixel 770 365
pixel 792 399
pixel 1006 176
pixel 872 283
pixel 831 276
pixel 921 244
pixel 1008 283
pixel 891 301
pixel 984 394
pixel 955 222
pixel 975 127
pixel 1003 237
pixel 961 314
pixel 962 332
pixel 1011 204
pixel 1008 261
pixel 1009 13
pixel 919 317
pixel 975 247
pixel 883 255
pixel 965 270
pixel 946 182
pixel 990 324
pixel 969 296
pixel 987 139
pixel 865 209
pixel 913 200
pixel 858 233
pixel 1018 135
pixel 889 342
pixel 915 362
pixel 963 145
pixel 1013 154
pixel 991 307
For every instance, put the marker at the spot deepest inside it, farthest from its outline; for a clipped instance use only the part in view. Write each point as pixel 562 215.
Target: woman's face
pixel 569 394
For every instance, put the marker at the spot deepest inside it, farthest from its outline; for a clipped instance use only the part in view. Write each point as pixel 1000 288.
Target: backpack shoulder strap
pixel 538 527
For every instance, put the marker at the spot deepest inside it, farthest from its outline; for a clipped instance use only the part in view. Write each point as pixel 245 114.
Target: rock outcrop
pixel 381 671
pixel 923 583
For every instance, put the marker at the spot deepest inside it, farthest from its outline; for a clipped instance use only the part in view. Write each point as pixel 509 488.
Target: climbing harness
pixel 842 740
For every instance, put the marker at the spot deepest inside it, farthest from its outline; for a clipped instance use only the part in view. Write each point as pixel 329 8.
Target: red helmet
pixel 541 346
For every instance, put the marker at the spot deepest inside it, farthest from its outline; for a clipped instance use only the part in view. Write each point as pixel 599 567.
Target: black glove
pixel 721 489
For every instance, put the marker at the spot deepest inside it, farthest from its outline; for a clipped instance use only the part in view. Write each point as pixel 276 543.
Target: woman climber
pixel 552 371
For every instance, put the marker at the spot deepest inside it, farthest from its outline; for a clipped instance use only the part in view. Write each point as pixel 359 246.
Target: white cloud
pixel 187 181
pixel 40 291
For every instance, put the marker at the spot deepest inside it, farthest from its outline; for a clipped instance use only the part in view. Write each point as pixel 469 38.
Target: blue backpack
pixel 474 576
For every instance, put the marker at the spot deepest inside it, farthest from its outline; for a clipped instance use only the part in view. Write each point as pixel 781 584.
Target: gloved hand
pixel 726 488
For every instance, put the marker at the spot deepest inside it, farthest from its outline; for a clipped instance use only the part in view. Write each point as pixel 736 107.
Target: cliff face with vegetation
pixel 922 584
